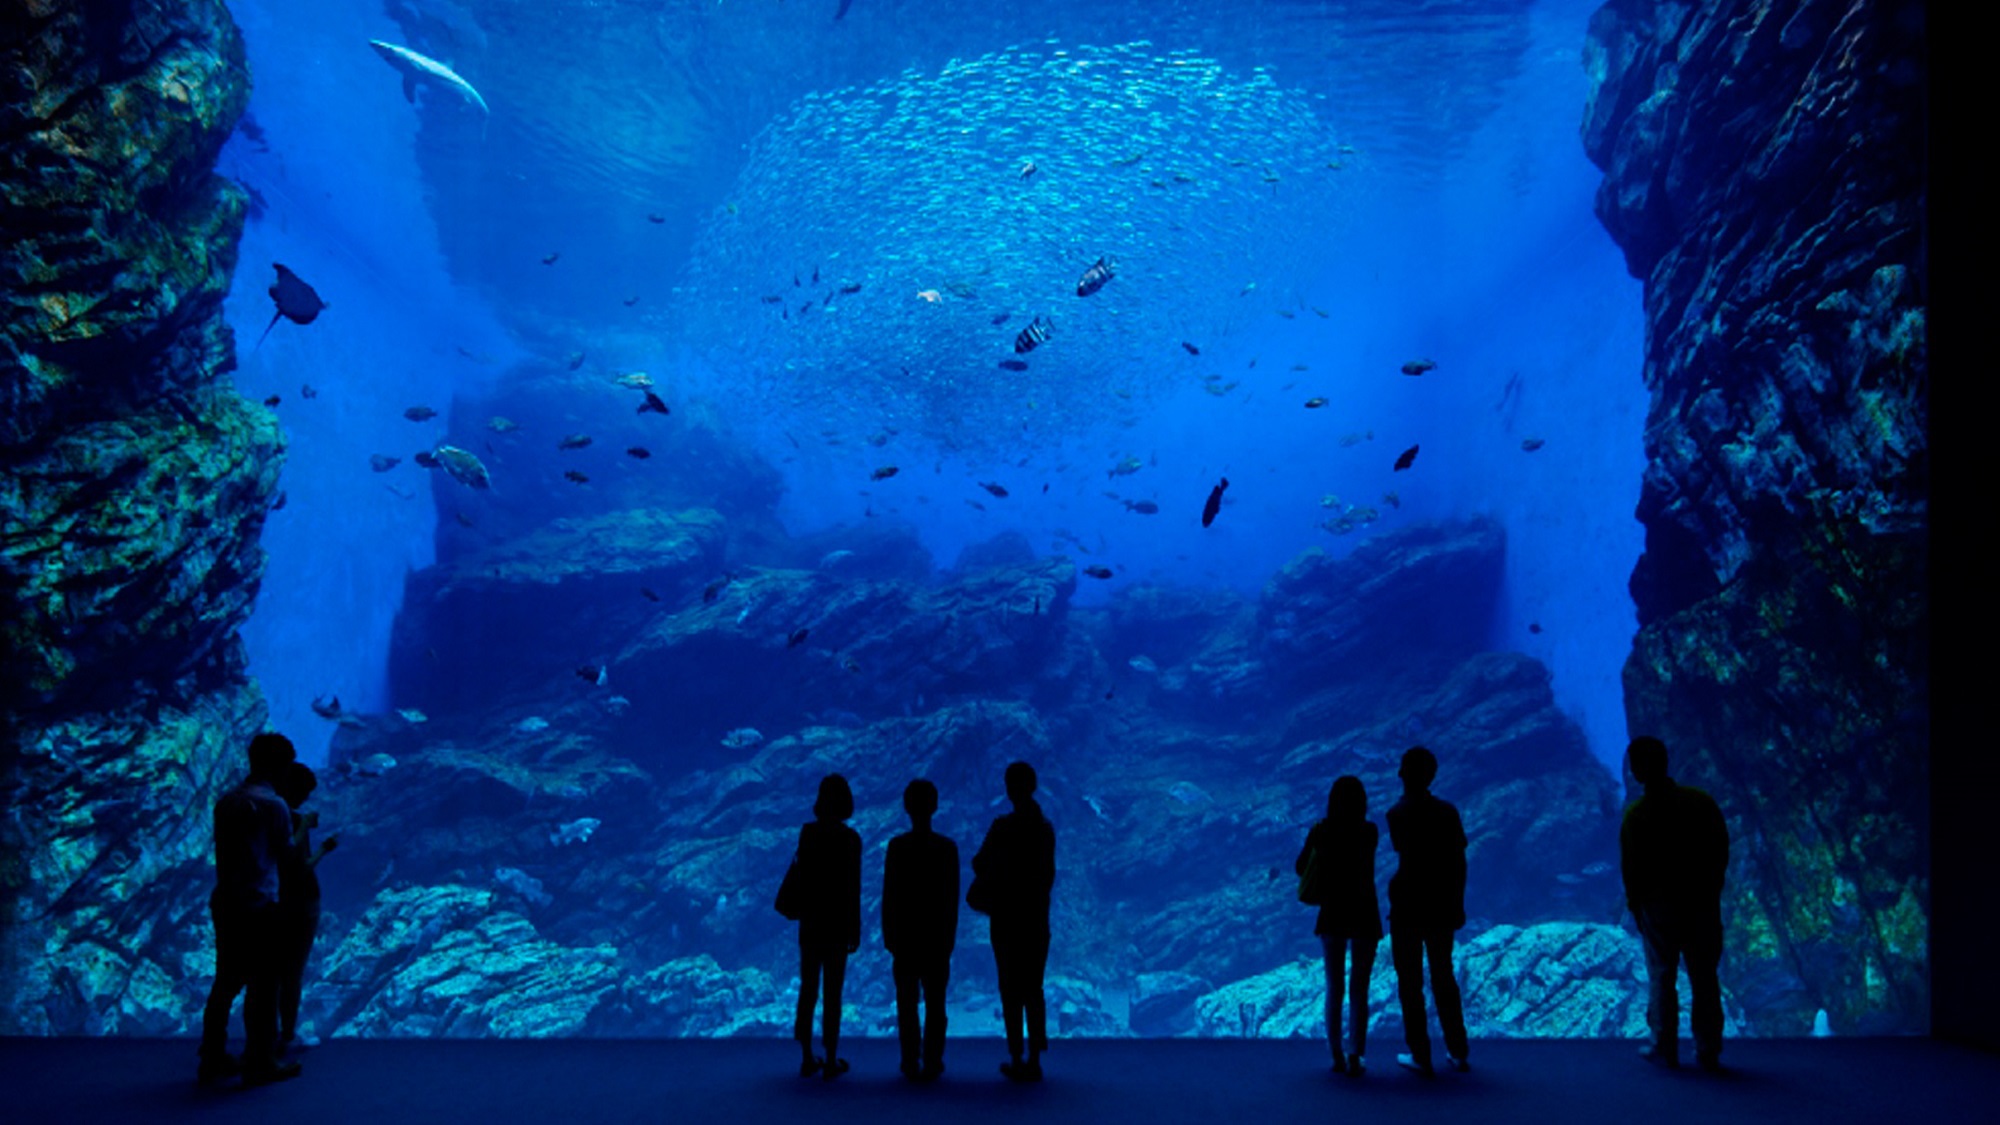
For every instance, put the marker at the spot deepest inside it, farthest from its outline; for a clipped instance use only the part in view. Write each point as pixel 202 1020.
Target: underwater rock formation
pixel 133 487
pixel 1763 173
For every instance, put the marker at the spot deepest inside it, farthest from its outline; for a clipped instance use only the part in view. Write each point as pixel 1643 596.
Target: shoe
pixel 1355 1067
pixel 263 1074
pixel 931 1072
pixel 1409 1062
pixel 1022 1072
pixel 1457 1064
pixel 834 1068
pixel 1659 1056
pixel 1339 1063
pixel 213 1070
pixel 1033 1072
pixel 810 1066
pixel 1709 1061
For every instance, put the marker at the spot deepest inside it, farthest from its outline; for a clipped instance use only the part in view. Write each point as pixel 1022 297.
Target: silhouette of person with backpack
pixel 253 829
pixel 1012 875
pixel 1673 849
pixel 1336 869
pixel 826 882
pixel 1426 908
pixel 919 928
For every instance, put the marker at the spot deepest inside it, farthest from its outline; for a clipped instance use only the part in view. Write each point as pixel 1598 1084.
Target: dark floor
pixel 378 1082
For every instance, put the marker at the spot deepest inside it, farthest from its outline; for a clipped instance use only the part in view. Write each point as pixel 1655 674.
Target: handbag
pixel 1310 891
pixel 979 896
pixel 792 892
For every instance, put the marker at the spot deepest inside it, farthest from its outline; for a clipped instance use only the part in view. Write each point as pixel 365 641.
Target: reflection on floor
pixel 375 1082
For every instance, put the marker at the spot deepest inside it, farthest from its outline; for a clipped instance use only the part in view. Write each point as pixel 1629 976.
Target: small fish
pixel 575 832
pixel 930 295
pixel 1529 445
pixel 636 380
pixel 326 708
pixel 375 765
pixel 1408 457
pixel 306 391
pixel 1126 468
pixel 1028 169
pixel 1096 277
pixel 412 715
pixel 500 425
pixel 975 505
pixel 1315 402
pixel 272 401
pixel 1191 349
pixel 772 300
pixel 278 505
pixel 1214 504
pixel 1143 507
pixel 638 452
pixel 1014 364
pixel 382 462
pixel 1033 336
pixel 574 361
pixel 463 519
pixel 632 300
pixel 595 674
pixel 1323 314
pixel 295 300
pixel 1098 571
pixel 655 217
pixel 797 637
pixel 463 467
pixel 1418 367
pixel 575 476
pixel 993 488
pixel 1534 627
pixel 884 473
pixel 1392 499
pixel 420 414
pixel 573 441
pixel 1001 318
pixel 1288 314
pixel 653 405
pixel 710 591
pixel 848 288
pixel 549 259
pixel 647 593
pixel 1300 367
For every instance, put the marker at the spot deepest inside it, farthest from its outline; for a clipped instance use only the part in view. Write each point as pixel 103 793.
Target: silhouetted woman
pixel 298 899
pixel 829 919
pixel 1013 873
pixel 1341 848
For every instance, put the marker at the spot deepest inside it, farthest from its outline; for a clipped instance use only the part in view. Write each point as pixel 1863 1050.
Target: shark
pixel 417 68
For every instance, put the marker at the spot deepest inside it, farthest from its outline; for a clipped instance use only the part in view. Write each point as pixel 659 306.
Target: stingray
pixel 296 301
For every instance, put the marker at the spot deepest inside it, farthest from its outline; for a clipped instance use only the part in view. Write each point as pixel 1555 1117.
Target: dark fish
pixel 647 593
pixel 306 391
pixel 1001 318
pixel 549 259
pixel 420 414
pixel 382 462
pixel 975 505
pixel 1534 627
pixel 1214 504
pixel 639 451
pixel 797 637
pixel 1032 337
pixel 656 217
pixel 593 673
pixel 1096 277
pixel 1409 456
pixel 815 275
pixel 1143 507
pixel 1529 445
pixel 279 503
pixel 1098 571
pixel 326 708
pixel 632 300
pixel 427 459
pixel 1191 349
pixel 296 301
pixel 1418 366
pixel 883 473
pixel 653 405
pixel 463 519
pixel 574 441
pixel 575 360
pixel 574 475
pixel 1315 403
pixel 1014 364
pixel 1045 489
pixel 272 401
pixel 994 489
pixel 709 592
pixel 770 300
pixel 851 287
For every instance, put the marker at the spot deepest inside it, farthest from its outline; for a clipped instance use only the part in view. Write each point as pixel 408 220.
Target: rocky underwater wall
pixel 134 483
pixel 1764 174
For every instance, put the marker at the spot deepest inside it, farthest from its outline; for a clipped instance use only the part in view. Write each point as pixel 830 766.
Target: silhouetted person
pixel 1016 868
pixel 1340 851
pixel 298 897
pixel 829 859
pixel 920 927
pixel 1426 907
pixel 253 829
pixel 1674 850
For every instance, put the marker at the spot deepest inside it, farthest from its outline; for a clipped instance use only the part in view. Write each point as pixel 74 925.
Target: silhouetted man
pixel 253 828
pixel 1674 850
pixel 920 927
pixel 1015 869
pixel 1426 907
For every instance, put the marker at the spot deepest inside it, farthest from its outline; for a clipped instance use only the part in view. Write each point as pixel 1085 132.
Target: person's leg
pixel 1364 969
pixel 903 970
pixel 937 976
pixel 295 943
pixel 1406 950
pixel 1444 992
pixel 802 1027
pixel 1333 953
pixel 1036 968
pixel 1663 1016
pixel 836 975
pixel 264 959
pixel 229 980
pixel 1012 1003
pixel 1703 952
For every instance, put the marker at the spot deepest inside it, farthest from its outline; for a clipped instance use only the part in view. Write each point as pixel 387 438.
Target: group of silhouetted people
pixel 1012 875
pixel 266 912
pixel 1673 845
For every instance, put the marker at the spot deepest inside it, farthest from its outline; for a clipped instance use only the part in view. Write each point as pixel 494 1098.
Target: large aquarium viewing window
pixel 580 427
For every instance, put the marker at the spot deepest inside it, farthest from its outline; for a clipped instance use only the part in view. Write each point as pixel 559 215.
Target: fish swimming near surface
pixel 1408 458
pixel 1096 277
pixel 1214 504
pixel 742 738
pixel 1418 367
pixel 653 405
pixel 420 414
pixel 1033 336
pixel 417 68
pixel 296 301
pixel 575 832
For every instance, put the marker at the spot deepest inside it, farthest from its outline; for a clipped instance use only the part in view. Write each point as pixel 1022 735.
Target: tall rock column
pixel 1764 173
pixel 134 484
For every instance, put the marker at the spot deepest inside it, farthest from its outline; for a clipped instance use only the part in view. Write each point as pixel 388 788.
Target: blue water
pixel 1457 228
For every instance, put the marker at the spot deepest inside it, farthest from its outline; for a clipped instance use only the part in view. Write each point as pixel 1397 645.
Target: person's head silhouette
pixel 271 754
pixel 836 800
pixel 920 800
pixel 1347 800
pixel 1020 782
pixel 1648 758
pixel 1419 769
pixel 295 783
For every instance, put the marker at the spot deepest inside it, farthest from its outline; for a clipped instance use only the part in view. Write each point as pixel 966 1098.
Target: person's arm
pixel 1628 860
pixel 951 929
pixel 892 897
pixel 852 892
pixel 1299 864
pixel 325 846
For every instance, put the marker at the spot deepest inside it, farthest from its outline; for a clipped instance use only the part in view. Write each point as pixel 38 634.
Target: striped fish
pixel 1032 337
pixel 1096 277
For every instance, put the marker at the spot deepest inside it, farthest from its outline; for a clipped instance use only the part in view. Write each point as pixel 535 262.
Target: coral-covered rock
pixel 1763 174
